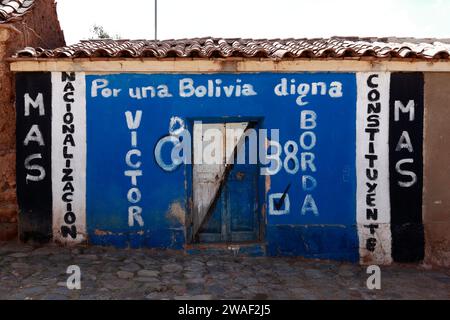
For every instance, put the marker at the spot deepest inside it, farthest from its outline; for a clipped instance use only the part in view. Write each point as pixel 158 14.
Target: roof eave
pixel 230 65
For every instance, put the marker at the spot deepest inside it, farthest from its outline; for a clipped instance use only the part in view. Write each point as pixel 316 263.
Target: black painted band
pixel 33 162
pixel 406 166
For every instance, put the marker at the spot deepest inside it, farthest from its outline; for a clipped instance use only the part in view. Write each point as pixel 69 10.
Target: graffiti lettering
pixel 404 142
pixel 101 85
pixel 161 91
pixel 180 140
pixel 37 103
pixel 292 164
pixel 30 167
pixel 290 87
pixel 215 88
pixel 34 135
pixel 68 143
pixel 134 195
pixel 308 122
pixel 372 128
pixel 270 152
pixel 372 136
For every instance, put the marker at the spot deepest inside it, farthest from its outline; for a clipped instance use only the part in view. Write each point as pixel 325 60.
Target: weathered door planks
pixel 225 207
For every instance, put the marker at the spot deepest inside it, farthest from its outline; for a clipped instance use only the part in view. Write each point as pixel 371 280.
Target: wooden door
pixel 224 193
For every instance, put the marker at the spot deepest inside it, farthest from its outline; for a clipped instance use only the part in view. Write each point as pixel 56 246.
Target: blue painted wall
pixel 330 234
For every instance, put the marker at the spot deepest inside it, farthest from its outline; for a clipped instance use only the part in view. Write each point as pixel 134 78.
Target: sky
pixel 134 19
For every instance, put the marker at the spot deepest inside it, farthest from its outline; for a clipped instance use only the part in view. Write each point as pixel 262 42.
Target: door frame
pixel 189 170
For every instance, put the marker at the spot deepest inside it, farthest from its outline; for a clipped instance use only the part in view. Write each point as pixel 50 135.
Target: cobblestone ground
pixel 28 272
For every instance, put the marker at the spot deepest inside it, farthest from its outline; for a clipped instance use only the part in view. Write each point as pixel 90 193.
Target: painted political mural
pixel 318 165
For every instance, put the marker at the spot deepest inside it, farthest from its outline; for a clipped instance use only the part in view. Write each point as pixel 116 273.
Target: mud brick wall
pixel 39 28
pixel 437 168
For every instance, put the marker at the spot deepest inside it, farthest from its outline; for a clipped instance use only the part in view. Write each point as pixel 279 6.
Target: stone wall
pixel 39 28
pixel 437 168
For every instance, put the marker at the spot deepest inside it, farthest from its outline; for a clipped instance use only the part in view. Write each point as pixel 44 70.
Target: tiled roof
pixel 13 9
pixel 275 49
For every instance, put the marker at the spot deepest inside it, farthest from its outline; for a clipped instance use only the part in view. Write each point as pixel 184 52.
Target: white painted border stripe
pixel 382 235
pixel 78 163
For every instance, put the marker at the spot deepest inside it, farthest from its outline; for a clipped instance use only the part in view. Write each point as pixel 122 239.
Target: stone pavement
pixel 28 272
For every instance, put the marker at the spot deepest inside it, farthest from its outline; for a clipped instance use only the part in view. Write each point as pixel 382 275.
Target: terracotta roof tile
pixel 335 47
pixel 13 9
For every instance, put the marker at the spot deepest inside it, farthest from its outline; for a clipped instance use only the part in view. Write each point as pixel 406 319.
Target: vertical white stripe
pixel 380 144
pixel 76 201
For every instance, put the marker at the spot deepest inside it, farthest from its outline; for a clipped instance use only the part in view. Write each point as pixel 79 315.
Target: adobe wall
pixel 38 28
pixel 437 168
pixel 436 145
